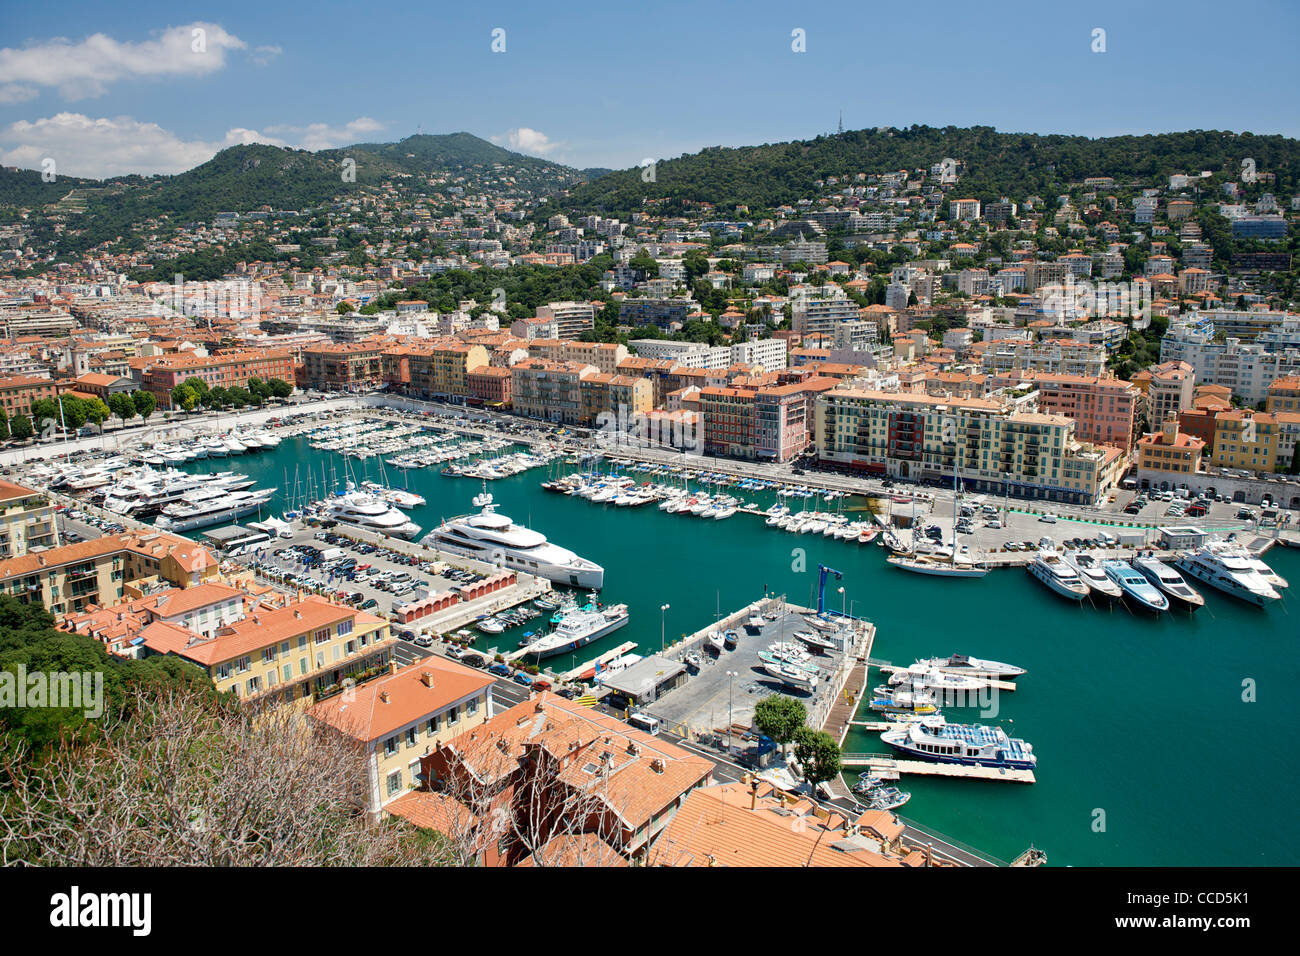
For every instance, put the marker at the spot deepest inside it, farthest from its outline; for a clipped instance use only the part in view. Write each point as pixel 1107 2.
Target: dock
pixel 603 659
pixel 882 765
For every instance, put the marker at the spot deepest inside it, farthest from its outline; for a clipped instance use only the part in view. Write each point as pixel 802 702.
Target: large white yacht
pixel 1264 571
pixel 1228 571
pixel 211 506
pixel 1058 576
pixel 369 511
pixel 1092 573
pixel 150 491
pixel 489 536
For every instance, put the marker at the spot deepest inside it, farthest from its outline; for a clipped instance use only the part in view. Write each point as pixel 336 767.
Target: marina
pixel 1072 714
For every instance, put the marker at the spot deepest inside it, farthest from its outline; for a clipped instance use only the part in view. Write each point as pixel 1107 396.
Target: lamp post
pixel 731 675
pixel 843 612
pixel 663 608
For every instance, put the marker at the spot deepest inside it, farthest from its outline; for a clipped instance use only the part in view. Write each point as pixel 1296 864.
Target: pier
pixel 602 660
pixel 881 765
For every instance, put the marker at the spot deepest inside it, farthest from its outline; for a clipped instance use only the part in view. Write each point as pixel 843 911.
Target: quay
pixel 880 764
pixel 570 675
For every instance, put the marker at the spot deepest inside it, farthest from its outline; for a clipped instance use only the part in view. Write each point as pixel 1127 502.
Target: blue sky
pixel 613 83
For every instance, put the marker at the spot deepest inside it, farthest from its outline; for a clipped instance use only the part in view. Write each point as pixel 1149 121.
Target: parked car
pixel 501 670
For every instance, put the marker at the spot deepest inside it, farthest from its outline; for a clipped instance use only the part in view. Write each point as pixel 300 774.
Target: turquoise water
pixel 1139 717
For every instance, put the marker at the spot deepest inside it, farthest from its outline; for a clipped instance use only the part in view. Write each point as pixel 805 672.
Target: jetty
pixel 891 768
pixel 602 660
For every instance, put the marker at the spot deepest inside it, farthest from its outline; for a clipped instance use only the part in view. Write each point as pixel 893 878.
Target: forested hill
pixel 995 164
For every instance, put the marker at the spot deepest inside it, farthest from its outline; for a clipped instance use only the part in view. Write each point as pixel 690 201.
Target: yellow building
pixel 68 579
pixel 26 521
pixel 451 363
pixel 1284 395
pixel 302 652
pixel 1246 439
pixel 615 395
pixel 1168 457
pixel 404 716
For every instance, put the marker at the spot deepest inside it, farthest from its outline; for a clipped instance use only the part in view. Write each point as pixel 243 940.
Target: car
pixel 406 635
pixel 369 604
pixel 1047 519
pixel 541 685
pixel 424 640
pixel 1245 514
pixel 519 677
pixel 455 652
pixel 499 669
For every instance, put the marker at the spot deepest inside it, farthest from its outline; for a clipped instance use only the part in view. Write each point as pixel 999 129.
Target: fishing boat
pixel 971 745
pixel 1169 581
pixel 730 640
pixel 1058 576
pixel 1135 586
pixel 716 642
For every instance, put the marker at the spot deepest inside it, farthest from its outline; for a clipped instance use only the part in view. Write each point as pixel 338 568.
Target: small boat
pixel 821 623
pixel 791 676
pixel 935 565
pixel 874 794
pixel 1135 586
pixel 1169 581
pixel 815 640
pixel 716 642
pixel 730 640
pixel 490 625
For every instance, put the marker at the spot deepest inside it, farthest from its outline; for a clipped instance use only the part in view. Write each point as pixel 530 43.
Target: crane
pixel 822 571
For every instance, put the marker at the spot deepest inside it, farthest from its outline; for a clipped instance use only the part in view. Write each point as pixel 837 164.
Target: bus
pixel 645 722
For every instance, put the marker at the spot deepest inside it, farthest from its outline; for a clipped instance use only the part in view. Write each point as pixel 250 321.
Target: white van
pixel 333 554
pixel 645 722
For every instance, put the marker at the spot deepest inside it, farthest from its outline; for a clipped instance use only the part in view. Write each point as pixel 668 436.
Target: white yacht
pixel 1058 576
pixel 791 676
pixel 1090 571
pixel 151 491
pixel 489 536
pixel 578 628
pixel 394 496
pixel 1169 581
pixel 1229 572
pixel 211 506
pixel 370 512
pixel 1265 572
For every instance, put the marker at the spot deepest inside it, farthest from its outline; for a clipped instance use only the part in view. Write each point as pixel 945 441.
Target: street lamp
pixel 731 675
pixel 842 600
pixel 662 610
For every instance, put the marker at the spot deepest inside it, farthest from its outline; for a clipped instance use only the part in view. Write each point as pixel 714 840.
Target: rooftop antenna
pixel 841 129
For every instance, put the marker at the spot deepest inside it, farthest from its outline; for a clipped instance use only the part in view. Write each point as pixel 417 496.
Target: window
pixel 390 746
pixel 453 714
pixel 471 707
pixel 394 782
pixel 410 737
pixel 435 724
pixel 322 635
pixel 345 627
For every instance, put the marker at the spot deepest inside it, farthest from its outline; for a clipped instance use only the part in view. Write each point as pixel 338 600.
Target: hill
pixel 996 164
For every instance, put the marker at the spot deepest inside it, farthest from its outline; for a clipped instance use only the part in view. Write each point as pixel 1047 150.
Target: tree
pixel 780 717
pixel 45 410
pixel 343 308
pixel 75 412
pixel 193 780
pixel 259 389
pixel 818 754
pixel 97 412
pixel 144 403
pixel 280 388
pixel 199 386
pixel 4 423
pixel 120 404
pixel 20 427
pixel 184 397
pixel 218 397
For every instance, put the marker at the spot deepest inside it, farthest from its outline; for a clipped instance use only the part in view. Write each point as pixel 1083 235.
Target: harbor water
pixel 1148 753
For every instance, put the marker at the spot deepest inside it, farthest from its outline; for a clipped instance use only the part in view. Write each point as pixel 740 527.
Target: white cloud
pixel 17 93
pixel 100 147
pixel 86 69
pixel 263 55
pixel 323 136
pixel 525 140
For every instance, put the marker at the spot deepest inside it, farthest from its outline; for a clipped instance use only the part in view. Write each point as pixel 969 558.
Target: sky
pixel 161 87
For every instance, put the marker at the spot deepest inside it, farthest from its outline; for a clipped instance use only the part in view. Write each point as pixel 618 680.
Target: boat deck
pixel 882 765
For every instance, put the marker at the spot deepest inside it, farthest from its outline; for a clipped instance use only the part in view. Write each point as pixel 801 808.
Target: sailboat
pixel 936 563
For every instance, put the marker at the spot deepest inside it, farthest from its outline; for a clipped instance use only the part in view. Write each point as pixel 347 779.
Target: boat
pixel 490 536
pixel 946 686
pixel 1169 581
pixel 1059 577
pixel 874 794
pixel 730 640
pixel 1278 582
pixel 211 506
pixel 791 676
pixel 922 563
pixel 578 628
pixel 1228 571
pixel 971 745
pixel 902 701
pixel 964 664
pixel 821 623
pixel 815 640
pixel 1088 567
pixel 716 642
pixel 1135 585
pixel 490 625
pixel 370 512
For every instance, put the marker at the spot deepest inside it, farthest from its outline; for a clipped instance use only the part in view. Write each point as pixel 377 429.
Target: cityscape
pixel 845 495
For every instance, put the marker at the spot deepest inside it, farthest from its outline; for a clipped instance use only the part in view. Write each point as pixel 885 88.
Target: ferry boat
pixel 971 745
pixel 1048 568
pixel 578 628
pixel 963 664
pixel 488 536
pixel 1135 586
pixel 1169 581
pixel 1229 572
pixel 1090 570
pixel 209 507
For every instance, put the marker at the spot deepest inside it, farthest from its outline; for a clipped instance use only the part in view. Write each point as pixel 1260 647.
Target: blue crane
pixel 822 571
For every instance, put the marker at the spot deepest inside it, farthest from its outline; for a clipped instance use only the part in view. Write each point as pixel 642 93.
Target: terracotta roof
pixel 379 707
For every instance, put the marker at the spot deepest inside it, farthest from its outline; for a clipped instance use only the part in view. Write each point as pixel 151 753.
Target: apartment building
pixel 993 448
pixel 19 392
pixel 1167 458
pixel 489 385
pixel 1284 395
pixel 402 717
pixel 606 356
pixel 343 368
pixel 300 653
pixel 1248 368
pixel 571 319
pixel 821 315
pixel 202 609
pixel 616 395
pixel 1169 388
pixel 549 390
pixel 225 370
pixel 26 521
pixel 105 570
pixel 661 312
pixel 1104 409
pixel 1059 356
pixel 960 210
pixel 1246 439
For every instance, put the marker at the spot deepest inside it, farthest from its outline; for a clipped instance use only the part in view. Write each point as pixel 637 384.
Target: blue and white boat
pixel 973 745
pixel 1135 585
